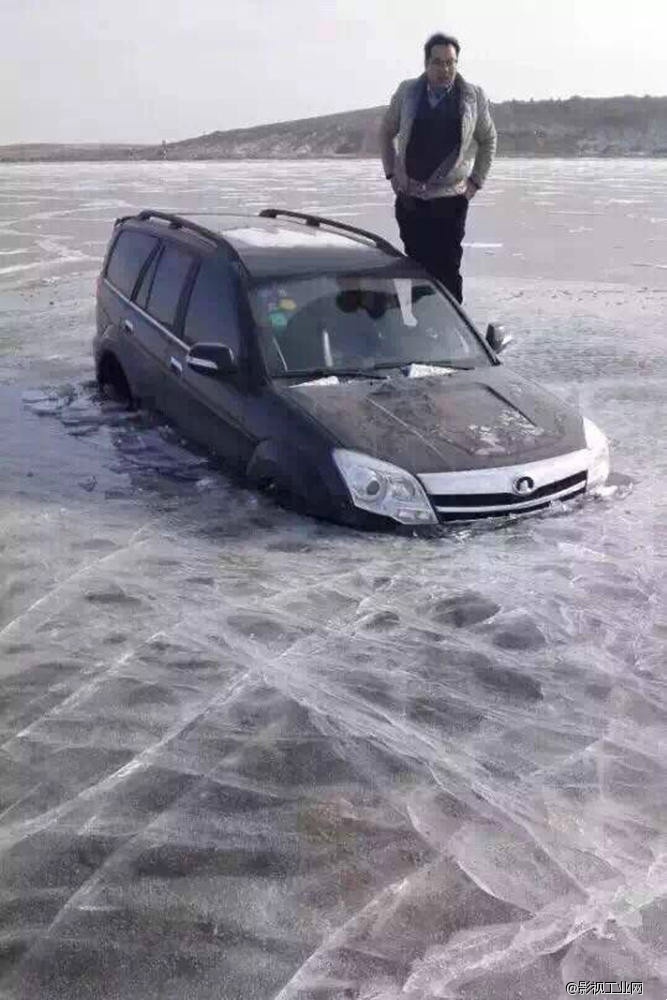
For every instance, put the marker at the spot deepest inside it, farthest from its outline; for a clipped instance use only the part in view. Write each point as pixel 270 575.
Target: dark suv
pixel 322 363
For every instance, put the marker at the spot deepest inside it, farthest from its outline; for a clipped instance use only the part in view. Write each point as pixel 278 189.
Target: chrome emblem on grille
pixel 523 486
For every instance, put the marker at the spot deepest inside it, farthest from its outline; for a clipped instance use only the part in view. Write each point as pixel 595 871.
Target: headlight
pixel 384 488
pixel 598 452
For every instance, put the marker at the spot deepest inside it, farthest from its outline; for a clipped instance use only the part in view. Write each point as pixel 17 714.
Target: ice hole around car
pixel 320 363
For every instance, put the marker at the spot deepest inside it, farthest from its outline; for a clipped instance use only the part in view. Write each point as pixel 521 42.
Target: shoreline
pixel 346 158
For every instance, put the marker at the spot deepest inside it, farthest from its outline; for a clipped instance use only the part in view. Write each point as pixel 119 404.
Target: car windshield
pixel 352 322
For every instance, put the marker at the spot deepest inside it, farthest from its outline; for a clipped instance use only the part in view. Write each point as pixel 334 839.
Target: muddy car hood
pixel 464 420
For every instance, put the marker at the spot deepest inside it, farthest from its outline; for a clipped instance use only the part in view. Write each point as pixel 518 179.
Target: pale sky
pixel 146 70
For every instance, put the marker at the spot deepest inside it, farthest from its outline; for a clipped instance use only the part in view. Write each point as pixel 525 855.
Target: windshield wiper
pixel 314 373
pixel 439 364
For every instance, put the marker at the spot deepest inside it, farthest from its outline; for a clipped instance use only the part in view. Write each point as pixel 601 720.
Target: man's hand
pixel 471 190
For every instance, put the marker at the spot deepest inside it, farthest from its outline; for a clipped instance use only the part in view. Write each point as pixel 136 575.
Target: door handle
pixel 127 326
pixel 175 366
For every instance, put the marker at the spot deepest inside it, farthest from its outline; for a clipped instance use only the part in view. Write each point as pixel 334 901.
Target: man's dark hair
pixel 440 39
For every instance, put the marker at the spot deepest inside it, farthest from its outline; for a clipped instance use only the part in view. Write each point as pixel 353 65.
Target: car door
pixel 132 257
pixel 213 410
pixel 158 303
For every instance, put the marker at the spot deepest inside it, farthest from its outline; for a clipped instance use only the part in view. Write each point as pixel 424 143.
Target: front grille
pixel 505 499
pixel 458 505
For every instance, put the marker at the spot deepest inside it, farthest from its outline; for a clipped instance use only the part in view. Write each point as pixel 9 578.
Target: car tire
pixel 286 498
pixel 113 383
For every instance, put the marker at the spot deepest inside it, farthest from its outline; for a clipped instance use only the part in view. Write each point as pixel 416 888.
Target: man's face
pixel 441 65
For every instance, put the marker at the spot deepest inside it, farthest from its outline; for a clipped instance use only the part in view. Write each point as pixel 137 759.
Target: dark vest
pixel 435 134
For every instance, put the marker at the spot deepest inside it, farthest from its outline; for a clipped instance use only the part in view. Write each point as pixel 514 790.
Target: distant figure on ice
pixel 446 144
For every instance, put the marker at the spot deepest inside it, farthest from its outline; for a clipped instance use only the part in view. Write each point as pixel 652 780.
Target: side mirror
pixel 211 359
pixel 497 337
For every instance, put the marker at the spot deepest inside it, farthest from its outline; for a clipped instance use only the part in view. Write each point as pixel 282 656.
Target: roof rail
pixel 318 220
pixel 178 222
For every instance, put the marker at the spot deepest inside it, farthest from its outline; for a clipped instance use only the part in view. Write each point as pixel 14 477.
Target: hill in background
pixel 576 127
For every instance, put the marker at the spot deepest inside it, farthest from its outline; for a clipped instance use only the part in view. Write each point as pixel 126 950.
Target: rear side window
pixel 212 312
pixel 168 284
pixel 143 291
pixel 130 252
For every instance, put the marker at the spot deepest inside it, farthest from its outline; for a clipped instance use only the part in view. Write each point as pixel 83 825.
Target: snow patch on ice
pixel 285 238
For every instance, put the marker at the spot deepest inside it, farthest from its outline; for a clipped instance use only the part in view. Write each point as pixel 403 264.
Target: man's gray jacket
pixel 471 160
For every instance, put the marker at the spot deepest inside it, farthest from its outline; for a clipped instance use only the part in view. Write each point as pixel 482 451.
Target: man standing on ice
pixel 446 141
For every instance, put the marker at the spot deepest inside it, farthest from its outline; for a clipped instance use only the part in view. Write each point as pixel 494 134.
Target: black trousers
pixel 432 232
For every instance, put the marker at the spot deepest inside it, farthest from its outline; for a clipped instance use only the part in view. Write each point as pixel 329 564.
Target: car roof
pixel 288 244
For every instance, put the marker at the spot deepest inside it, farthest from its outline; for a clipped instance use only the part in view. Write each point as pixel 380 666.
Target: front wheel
pixel 113 383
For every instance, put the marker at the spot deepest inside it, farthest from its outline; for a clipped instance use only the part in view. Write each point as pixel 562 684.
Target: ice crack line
pixel 81 571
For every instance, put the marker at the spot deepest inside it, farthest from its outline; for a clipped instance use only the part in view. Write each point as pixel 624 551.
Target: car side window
pixel 212 315
pixel 172 271
pixel 146 282
pixel 129 254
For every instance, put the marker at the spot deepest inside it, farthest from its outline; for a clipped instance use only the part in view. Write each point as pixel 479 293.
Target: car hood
pixel 450 422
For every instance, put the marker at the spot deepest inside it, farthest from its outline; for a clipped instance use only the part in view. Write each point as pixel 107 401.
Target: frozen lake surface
pixel 247 755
